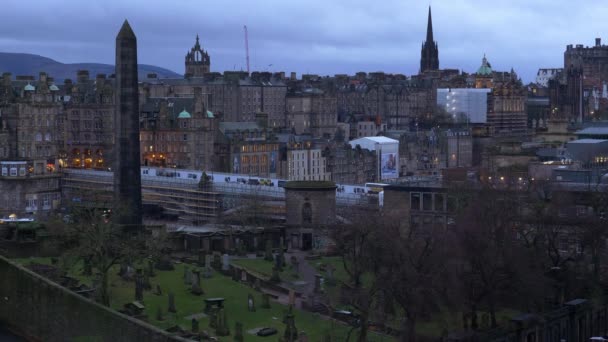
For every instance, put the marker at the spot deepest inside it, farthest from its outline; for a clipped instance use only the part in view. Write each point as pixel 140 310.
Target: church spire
pixel 429 28
pixel 429 56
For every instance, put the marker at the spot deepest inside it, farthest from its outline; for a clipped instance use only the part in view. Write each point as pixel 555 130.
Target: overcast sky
pixel 314 36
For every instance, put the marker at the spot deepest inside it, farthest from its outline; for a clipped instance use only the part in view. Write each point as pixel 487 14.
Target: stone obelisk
pixel 127 177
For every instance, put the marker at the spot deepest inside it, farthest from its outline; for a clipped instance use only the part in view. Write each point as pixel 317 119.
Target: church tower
pixel 197 61
pixel 429 57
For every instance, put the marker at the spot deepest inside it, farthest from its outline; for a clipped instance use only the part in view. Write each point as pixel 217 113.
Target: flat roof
pixel 380 140
pixel 593 131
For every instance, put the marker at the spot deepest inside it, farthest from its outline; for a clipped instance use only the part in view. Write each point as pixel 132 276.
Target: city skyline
pixel 346 37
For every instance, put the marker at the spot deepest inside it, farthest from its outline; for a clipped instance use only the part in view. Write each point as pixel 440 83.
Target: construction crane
pixel 246 47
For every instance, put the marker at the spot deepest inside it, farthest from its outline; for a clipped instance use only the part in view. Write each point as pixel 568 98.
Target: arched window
pixel 47 136
pixel 38 136
pixel 306 213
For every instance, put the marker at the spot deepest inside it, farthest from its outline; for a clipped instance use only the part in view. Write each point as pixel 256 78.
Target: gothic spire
pixel 429 28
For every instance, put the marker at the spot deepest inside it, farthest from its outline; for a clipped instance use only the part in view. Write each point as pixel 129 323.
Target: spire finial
pixel 429 27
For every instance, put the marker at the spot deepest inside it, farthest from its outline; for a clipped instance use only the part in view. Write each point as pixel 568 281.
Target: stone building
pixel 30 114
pixel 305 163
pixel 312 111
pixel 178 132
pixel 310 207
pixel 247 148
pixel 348 165
pixel 88 121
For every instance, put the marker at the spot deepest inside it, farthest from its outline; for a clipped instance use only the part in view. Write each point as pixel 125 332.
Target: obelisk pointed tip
pixel 126 31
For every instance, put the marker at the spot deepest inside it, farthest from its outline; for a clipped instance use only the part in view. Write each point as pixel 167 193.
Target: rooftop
pixel 593 131
pixel 587 141
pixel 379 140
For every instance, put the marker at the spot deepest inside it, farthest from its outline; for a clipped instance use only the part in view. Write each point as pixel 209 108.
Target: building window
pixel 185 137
pixel 427 201
pixel 415 201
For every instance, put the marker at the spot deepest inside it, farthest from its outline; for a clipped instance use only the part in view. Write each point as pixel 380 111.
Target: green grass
pixel 235 295
pixel 264 267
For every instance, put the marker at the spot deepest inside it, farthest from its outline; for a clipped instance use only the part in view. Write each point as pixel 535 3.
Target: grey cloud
pixel 315 36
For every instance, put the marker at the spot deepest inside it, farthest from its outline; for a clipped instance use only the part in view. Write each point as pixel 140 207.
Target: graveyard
pixel 241 303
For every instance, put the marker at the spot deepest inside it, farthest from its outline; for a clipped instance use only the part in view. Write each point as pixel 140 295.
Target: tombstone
pixel 146 281
pixel 235 274
pixel 257 285
pixel 329 276
pixel 292 297
pixel 317 288
pixel 158 290
pixel 278 263
pixel 151 271
pixel 208 261
pixel 212 317
pixel 250 303
pixel 159 314
pixel 243 276
pixel 225 262
pixel 275 278
pixel 238 332
pixel 485 321
pixel 164 263
pixel 265 301
pixel 196 284
pixel 194 326
pixel 201 257
pixel 221 328
pixel 207 272
pixel 139 288
pixel 291 332
pixel 217 261
pixel 296 266
pixel 268 253
pixel 171 303
pixel 188 277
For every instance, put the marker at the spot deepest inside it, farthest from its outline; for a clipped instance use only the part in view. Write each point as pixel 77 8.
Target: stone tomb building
pixel 310 206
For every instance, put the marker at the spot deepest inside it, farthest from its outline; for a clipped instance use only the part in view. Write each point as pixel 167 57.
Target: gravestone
pixel 217 261
pixel 196 284
pixel 171 303
pixel 291 332
pixel 207 271
pixel 151 271
pixel 250 303
pixel 208 261
pixel 243 276
pixel 265 301
pixel 292 297
pixel 194 325
pixel 225 262
pixel 146 281
pixel 330 280
pixel 158 290
pixel 257 284
pixel 278 263
pixel 268 253
pixel 213 317
pixel 189 277
pixel 221 328
pixel 159 314
pixel 276 278
pixel 317 288
pixel 164 263
pixel 235 274
pixel 238 332
pixel 201 257
pixel 139 288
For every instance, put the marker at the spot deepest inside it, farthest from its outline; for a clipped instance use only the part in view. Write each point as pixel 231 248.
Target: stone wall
pixel 319 204
pixel 44 311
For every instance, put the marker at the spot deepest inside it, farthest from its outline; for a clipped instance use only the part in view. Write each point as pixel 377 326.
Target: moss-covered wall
pixel 42 310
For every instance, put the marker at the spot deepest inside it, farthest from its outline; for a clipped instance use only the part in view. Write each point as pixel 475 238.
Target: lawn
pixel 235 295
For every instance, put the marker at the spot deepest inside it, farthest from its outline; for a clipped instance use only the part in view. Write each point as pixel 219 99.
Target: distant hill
pixel 31 65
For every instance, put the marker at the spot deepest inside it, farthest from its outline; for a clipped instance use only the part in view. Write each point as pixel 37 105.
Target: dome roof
pixel 184 115
pixel 29 87
pixel 53 87
pixel 485 69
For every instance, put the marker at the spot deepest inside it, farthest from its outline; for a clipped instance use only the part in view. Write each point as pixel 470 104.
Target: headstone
pixel 221 328
pixel 235 274
pixel 188 277
pixel 485 321
pixel 146 281
pixel 292 297
pixel 158 291
pixel 196 284
pixel 139 287
pixel 207 272
pixel 291 332
pixel 159 314
pixel 208 261
pixel 265 301
pixel 194 325
pixel 171 303
pixel 238 332
pixel 330 275
pixel 250 303
pixel 225 262
pixel 276 278
pixel 213 318
pixel 151 271
pixel 217 261
pixel 201 257
pixel 243 276
pixel 268 254
pixel 317 288
pixel 257 284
